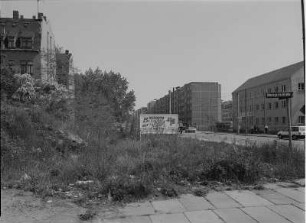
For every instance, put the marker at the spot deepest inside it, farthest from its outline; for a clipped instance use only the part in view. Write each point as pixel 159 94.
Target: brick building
pixel 64 69
pixel 251 107
pixel 28 46
pixel 197 104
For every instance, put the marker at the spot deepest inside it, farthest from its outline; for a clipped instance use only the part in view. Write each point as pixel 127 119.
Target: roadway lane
pixel 248 140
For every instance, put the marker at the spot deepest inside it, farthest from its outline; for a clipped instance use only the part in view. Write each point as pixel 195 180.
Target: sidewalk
pixel 277 203
pixel 282 202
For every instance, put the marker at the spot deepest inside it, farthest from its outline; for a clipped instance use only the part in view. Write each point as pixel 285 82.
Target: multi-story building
pixel 28 46
pixel 151 106
pixel 197 104
pixel 252 109
pixel 64 70
pixel 227 111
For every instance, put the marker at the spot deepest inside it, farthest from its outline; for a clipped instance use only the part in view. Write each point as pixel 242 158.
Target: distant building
pixel 64 69
pixel 150 107
pixel 227 111
pixel 251 108
pixel 28 46
pixel 142 110
pixel 197 104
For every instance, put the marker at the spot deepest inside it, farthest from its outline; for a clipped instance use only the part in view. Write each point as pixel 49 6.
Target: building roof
pixel 276 75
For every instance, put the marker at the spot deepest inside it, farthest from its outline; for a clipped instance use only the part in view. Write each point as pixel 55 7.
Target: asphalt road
pixel 248 140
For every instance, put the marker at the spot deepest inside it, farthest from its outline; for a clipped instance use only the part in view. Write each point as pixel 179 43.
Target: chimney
pixel 67 52
pixel 15 14
pixel 21 16
pixel 34 17
pixel 40 15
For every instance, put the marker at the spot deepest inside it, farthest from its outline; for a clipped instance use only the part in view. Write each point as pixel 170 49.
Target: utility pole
pixel 289 122
pixel 246 114
pixel 303 31
pixel 170 102
pixel 238 119
pixel 37 7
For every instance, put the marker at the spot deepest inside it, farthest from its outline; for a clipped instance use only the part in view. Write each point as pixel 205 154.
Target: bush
pixel 9 84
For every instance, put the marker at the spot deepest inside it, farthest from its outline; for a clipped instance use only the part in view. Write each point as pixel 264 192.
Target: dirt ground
pixel 22 207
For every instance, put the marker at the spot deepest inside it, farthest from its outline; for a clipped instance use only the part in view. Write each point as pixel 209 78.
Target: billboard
pixel 158 123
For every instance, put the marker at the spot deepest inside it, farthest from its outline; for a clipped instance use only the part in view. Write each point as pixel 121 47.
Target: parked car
pixel 297 132
pixel 191 129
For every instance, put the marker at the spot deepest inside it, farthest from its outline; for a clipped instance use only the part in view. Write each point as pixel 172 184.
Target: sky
pixel 158 45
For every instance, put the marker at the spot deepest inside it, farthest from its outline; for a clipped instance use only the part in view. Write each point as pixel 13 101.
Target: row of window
pixel 262 92
pixel 11 42
pixel 25 66
pixel 274 120
pixel 270 106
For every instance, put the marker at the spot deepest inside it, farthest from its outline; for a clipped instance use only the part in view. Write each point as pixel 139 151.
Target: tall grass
pixel 126 168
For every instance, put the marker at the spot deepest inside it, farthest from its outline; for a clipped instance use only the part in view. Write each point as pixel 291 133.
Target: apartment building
pixel 197 104
pixel 251 107
pixel 64 69
pixel 28 46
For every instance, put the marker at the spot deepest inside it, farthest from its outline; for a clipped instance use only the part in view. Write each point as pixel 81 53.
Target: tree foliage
pixel 110 86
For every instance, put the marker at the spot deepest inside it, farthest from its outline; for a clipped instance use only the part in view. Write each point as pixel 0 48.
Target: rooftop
pixel 276 75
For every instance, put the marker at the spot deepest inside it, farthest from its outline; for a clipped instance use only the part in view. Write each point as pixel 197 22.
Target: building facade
pixel 227 111
pixel 198 104
pixel 252 109
pixel 28 46
pixel 64 70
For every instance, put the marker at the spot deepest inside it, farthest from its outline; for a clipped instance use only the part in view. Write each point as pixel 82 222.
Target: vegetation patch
pixel 96 157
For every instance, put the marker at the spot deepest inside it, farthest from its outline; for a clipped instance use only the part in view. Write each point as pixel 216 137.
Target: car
pixel 190 129
pixel 297 132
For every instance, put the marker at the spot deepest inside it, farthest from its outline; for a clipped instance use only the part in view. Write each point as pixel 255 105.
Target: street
pixel 248 140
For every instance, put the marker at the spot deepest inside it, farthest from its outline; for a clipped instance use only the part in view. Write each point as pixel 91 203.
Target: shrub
pixel 9 84
pixel 25 91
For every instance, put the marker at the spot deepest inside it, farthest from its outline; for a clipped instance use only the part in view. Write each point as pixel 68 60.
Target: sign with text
pixel 279 95
pixel 159 123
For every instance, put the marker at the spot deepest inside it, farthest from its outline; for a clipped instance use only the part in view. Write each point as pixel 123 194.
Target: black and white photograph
pixel 152 111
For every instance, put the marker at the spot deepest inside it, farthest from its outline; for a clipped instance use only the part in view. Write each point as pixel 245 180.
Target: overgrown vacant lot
pixel 87 158
pixel 125 169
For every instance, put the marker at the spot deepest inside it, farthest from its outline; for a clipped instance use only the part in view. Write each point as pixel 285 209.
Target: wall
pixel 47 47
pixel 298 100
pixel 206 105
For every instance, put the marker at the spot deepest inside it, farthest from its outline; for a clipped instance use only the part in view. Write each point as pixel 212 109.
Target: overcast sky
pixel 158 45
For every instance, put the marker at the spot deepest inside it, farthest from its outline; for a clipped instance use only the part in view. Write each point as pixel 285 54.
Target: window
pixel 284 120
pixel 302 119
pixel 26 67
pixel 11 64
pixel 276 89
pixel 269 90
pixel 11 42
pixel 26 43
pixel 262 106
pixel 257 121
pixel 276 120
pixel 251 108
pixel 284 104
pixel 257 107
pixel 23 67
pixel 276 105
pixel 269 119
pixel 301 86
pixel 262 121
pixel 269 106
pixel 283 88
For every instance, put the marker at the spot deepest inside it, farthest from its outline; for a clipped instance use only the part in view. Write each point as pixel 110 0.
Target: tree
pixel 111 86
